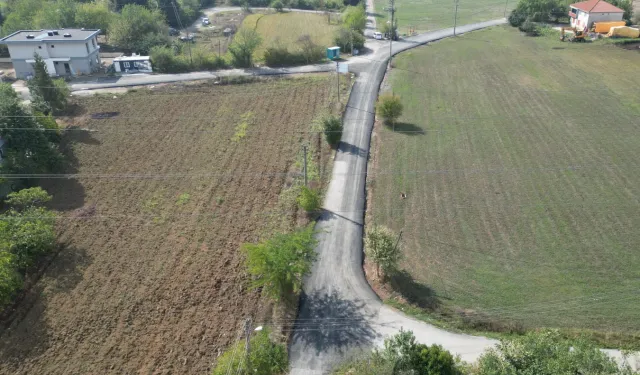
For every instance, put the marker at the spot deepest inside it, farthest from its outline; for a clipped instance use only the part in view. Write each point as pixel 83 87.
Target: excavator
pixel 578 35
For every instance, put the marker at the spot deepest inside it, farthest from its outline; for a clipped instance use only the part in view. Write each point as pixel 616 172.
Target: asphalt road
pixel 339 313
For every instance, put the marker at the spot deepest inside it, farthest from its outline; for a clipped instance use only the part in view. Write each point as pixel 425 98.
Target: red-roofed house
pixel 585 13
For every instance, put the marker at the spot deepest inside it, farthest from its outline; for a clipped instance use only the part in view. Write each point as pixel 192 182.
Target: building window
pixel 87 45
pixel 127 65
pixel 93 42
pixel 52 46
pixel 39 47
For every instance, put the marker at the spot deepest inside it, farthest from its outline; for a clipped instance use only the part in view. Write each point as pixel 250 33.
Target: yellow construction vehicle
pixel 578 36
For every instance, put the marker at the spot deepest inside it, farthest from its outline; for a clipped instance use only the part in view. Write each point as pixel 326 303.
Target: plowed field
pixel 163 191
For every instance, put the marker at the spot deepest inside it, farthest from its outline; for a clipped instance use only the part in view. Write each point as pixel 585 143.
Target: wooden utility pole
pixel 392 10
pixel 247 343
pixel 304 147
pixel 455 19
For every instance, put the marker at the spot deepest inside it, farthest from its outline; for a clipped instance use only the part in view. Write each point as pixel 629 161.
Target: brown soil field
pixel 161 193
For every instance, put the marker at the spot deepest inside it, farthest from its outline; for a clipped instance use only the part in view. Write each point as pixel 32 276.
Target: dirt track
pixel 151 280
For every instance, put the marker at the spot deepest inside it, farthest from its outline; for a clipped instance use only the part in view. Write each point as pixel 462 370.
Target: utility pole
pixel 351 35
pixel 219 47
pixel 505 8
pixel 175 10
pixel 392 33
pixel 455 19
pixel 304 147
pixel 247 343
pixel 338 74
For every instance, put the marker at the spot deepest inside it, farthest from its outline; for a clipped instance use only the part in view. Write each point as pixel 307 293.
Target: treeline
pixel 555 11
pixel 31 137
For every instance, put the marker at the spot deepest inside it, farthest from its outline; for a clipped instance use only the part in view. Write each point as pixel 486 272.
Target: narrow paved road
pixel 339 313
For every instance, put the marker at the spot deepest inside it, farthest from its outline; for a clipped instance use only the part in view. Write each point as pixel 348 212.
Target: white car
pixel 377 35
pixel 205 21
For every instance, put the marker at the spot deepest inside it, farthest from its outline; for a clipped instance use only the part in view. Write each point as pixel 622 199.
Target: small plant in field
pixel 309 199
pixel 219 200
pixel 389 107
pixel 241 129
pixel 265 358
pixel 332 126
pixel 183 199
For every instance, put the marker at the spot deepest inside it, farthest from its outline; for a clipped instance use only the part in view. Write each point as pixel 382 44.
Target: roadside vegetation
pixel 541 353
pixel 515 193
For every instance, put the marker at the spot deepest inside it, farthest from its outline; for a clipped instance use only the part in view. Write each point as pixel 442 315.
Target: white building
pixel 66 51
pixel 132 64
pixel 585 13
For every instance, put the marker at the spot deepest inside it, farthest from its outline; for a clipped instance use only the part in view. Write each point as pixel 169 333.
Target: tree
pixel 55 14
pixel 344 37
pixel 538 10
pixel 265 357
pixel 389 107
pixel 279 263
pixel 546 353
pixel 380 246
pixel 332 126
pixel 48 95
pixel 277 5
pixel 354 18
pixel 138 29
pixel 310 50
pixel 10 278
pixel 244 44
pixel 94 15
pixel 26 230
pixel 625 5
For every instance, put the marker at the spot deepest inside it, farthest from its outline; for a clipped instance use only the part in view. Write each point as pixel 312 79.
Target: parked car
pixel 187 38
pixel 205 21
pixel 173 32
pixel 377 35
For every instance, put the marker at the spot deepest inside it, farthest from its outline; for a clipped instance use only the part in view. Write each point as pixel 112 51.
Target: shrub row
pixel 164 60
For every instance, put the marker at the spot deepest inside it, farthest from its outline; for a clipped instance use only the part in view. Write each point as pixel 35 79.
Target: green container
pixel 333 53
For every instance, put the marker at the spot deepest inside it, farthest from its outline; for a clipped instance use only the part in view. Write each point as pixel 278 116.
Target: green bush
pixel 309 199
pixel 517 18
pixel 343 38
pixel 10 278
pixel 281 56
pixel 50 125
pixel 389 107
pixel 530 28
pixel 265 358
pixel 279 263
pixel 332 126
pixel 277 5
pixel 164 60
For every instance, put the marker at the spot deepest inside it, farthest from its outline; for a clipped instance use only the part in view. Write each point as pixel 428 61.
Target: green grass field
pixel 424 15
pixel 519 159
pixel 287 28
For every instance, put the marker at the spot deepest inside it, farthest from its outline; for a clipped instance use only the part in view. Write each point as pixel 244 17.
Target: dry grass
pixel 518 156
pixel 150 279
pixel 287 28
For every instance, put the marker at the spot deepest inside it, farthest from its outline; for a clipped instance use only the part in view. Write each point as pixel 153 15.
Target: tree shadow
pixel 406 128
pixel 414 292
pixel 24 332
pixel 328 322
pixel 352 149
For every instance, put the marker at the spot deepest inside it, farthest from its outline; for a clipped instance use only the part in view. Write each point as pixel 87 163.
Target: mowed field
pixel 286 28
pixel 426 15
pixel 518 156
pixel 164 190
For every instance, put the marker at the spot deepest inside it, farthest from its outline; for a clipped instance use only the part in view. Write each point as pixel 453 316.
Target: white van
pixel 205 21
pixel 377 35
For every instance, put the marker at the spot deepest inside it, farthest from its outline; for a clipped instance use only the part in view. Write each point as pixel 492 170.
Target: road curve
pixel 339 313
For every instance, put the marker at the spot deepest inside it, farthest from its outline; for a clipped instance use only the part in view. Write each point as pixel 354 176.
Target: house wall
pixel 585 19
pixel 79 65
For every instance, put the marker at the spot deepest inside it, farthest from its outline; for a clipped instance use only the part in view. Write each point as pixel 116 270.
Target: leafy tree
pixel 332 126
pixel 138 29
pixel 310 50
pixel 277 5
pixel 26 230
pixel 265 358
pixel 55 14
pixel 625 5
pixel 389 107
pixel 530 28
pixel 94 15
pixel 48 95
pixel 309 199
pixel 354 18
pixel 546 353
pixel 50 126
pixel 244 44
pixel 379 245
pixel 279 263
pixel 344 37
pixel 26 151
pixel 539 10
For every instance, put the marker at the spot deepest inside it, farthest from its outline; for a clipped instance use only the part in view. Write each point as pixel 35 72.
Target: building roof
pixel 596 6
pixel 132 58
pixel 39 36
